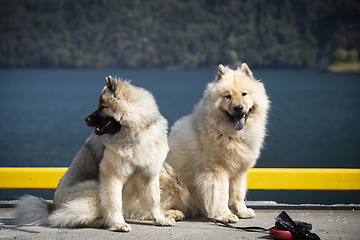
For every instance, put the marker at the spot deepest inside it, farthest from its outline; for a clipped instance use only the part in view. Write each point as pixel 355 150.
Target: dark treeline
pixel 175 33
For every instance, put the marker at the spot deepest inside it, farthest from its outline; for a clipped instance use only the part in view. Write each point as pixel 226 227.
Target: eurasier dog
pixel 213 148
pixel 119 165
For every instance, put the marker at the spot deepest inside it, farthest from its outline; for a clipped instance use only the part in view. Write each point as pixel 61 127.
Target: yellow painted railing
pixel 31 178
pixel 304 179
pixel 258 178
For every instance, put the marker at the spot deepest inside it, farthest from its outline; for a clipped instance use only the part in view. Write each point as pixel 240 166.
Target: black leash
pixel 247 229
pixel 283 222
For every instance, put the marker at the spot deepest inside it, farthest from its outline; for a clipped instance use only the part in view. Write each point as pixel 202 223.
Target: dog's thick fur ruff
pixel 116 171
pixel 213 148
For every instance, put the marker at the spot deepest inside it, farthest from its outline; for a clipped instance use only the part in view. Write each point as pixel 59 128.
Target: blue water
pixel 314 119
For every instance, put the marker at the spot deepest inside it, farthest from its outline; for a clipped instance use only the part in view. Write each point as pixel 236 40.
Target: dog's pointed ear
pixel 221 72
pixel 244 67
pixel 110 83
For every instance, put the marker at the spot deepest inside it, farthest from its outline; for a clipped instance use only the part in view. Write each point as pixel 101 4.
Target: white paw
pixel 247 213
pixel 120 227
pixel 176 214
pixel 169 221
pixel 229 218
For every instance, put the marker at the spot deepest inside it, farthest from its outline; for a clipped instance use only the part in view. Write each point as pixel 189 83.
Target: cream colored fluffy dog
pixel 213 148
pixel 119 165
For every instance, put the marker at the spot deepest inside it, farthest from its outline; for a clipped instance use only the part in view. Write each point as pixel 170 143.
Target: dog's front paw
pixel 120 227
pixel 169 221
pixel 229 218
pixel 176 214
pixel 247 213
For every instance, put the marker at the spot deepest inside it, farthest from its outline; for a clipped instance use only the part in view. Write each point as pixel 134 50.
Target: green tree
pixel 341 55
pixel 353 55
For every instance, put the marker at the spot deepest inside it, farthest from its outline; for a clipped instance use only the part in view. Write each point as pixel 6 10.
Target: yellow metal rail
pixel 304 179
pixel 32 177
pixel 258 178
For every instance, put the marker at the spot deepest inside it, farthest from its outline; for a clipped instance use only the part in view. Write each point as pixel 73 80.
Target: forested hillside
pixel 175 33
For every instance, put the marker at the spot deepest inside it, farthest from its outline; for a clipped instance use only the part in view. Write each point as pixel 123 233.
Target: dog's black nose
pixel 89 122
pixel 238 108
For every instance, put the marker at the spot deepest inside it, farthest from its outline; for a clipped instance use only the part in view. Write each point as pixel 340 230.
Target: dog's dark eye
pixel 244 94
pixel 228 96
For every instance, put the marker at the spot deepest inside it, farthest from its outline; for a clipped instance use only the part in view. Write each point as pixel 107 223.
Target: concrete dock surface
pixel 329 222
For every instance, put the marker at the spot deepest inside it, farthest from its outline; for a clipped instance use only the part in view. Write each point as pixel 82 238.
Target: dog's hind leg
pixel 77 205
pixel 176 214
pixel 80 212
pixel 174 195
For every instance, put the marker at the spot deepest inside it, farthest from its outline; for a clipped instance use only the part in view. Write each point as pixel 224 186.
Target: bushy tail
pixel 32 210
pixel 77 213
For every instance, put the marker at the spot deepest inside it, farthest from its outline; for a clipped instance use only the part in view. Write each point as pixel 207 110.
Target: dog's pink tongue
pixel 239 122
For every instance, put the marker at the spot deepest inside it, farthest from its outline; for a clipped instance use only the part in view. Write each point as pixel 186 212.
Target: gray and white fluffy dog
pixel 116 172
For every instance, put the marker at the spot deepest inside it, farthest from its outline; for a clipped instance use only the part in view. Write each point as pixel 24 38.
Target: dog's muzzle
pixel 239 117
pixel 103 124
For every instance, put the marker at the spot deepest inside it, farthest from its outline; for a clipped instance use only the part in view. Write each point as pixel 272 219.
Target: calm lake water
pixel 314 119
